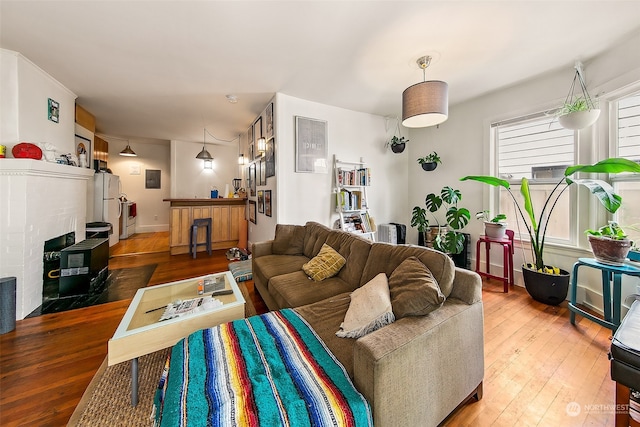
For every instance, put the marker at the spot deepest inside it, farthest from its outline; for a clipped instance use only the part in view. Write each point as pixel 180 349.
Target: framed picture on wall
pixel 263 172
pixel 252 211
pixel 261 201
pixel 270 158
pixel 250 142
pixel 311 145
pixel 267 202
pixel 83 146
pixel 269 121
pixel 252 179
pixel 152 178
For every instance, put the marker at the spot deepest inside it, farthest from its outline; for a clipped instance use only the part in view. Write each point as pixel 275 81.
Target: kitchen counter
pixel 228 218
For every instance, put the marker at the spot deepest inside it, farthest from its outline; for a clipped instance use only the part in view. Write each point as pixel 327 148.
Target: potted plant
pixel 634 253
pixel 577 114
pixel 449 240
pixel 430 161
pixel 398 144
pixel 609 244
pixel 556 290
pixel 495 227
pixel 419 220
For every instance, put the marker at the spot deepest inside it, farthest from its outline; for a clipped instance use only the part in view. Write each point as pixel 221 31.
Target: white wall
pixel 26 89
pixel 302 197
pixel 152 212
pixel 463 143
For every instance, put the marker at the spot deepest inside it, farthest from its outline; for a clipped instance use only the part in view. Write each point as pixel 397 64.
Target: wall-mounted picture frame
pixel 252 211
pixel 83 146
pixel 252 179
pixel 263 172
pixel 251 142
pixel 54 110
pixel 270 158
pixel 311 145
pixel 152 178
pixel 260 201
pixel 258 164
pixel 269 121
pixel 257 128
pixel 267 202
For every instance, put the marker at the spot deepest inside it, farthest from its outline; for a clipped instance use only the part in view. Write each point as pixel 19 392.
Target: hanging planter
pixel 578 112
pixel 430 161
pixel 397 143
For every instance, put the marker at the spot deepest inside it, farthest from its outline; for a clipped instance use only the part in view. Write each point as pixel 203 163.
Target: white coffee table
pixel 141 333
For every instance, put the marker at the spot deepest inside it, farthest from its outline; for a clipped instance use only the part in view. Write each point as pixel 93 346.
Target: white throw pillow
pixel 369 309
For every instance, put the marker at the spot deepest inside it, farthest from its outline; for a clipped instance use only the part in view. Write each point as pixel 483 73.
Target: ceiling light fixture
pixel 427 103
pixel 241 159
pixel 128 152
pixel 204 154
pixel 232 98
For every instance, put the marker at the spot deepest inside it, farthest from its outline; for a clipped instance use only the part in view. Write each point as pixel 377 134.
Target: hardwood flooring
pixel 536 363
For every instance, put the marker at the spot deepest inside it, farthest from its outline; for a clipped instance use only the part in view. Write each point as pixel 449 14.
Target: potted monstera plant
pixel 449 239
pixel 419 220
pixel 549 284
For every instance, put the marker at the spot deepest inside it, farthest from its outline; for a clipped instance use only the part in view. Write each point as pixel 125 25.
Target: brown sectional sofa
pixel 413 372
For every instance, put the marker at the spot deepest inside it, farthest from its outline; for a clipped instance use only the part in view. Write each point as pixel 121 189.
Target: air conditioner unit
pixel 387 233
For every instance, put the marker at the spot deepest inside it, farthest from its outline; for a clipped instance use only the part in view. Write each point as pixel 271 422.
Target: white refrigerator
pixel 106 203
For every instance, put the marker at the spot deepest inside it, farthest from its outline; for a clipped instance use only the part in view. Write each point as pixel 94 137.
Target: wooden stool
pixel 507 261
pixel 193 237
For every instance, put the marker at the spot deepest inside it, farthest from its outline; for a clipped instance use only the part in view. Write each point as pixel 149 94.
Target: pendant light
pixel 128 151
pixel 204 154
pixel 427 103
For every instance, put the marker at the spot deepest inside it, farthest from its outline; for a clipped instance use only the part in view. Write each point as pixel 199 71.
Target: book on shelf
pixel 354 177
pixel 350 200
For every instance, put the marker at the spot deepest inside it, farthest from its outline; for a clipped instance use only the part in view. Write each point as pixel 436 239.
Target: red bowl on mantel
pixel 26 150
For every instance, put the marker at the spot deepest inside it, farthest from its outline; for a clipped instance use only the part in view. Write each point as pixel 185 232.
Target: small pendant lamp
pixel 128 151
pixel 204 154
pixel 427 103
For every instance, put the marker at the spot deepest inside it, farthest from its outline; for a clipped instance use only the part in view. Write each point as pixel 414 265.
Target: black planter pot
pixel 429 166
pixel 421 239
pixel 549 289
pixel 398 148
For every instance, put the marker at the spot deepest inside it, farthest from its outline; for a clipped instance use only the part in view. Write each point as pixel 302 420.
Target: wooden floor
pixel 538 367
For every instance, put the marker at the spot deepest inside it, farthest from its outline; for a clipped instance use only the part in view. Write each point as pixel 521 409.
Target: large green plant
pixel 452 241
pixel 537 227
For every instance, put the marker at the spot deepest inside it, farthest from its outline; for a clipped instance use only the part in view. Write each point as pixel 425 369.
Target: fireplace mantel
pixel 42 168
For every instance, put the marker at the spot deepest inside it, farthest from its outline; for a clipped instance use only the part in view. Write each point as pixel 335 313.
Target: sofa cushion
pixel 385 257
pixel 369 309
pixel 355 249
pixel 413 290
pixel 326 264
pixel 325 317
pixel 268 266
pixel 296 289
pixel 289 240
pixel 315 236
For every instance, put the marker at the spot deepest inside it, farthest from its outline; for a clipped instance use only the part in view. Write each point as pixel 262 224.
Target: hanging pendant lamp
pixel 427 103
pixel 128 151
pixel 204 154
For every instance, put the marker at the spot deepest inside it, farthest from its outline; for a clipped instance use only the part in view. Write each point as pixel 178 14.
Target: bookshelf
pixel 351 182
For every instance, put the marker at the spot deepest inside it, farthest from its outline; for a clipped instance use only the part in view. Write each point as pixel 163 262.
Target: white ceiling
pixel 153 69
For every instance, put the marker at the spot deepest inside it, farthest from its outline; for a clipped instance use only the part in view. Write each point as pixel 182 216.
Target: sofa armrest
pixel 434 362
pixel 467 286
pixel 261 248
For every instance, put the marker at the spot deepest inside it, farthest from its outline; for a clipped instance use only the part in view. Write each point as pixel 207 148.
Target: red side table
pixel 507 248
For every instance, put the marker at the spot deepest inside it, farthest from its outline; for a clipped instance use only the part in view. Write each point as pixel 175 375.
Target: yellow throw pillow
pixel 369 309
pixel 326 264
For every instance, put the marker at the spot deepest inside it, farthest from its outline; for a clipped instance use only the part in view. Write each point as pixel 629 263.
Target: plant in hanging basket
pixel 397 144
pixel 430 161
pixel 609 244
pixel 579 114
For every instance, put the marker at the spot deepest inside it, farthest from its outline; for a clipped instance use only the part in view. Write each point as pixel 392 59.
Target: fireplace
pixel 39 201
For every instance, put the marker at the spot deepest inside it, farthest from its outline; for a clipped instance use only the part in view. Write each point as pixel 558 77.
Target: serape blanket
pixel 268 370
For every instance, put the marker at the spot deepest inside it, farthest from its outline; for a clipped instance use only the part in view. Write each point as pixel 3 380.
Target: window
pixel 625 126
pixel 539 149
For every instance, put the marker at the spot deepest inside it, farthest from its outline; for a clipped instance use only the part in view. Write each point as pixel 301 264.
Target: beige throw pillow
pixel 369 309
pixel 326 264
pixel 414 291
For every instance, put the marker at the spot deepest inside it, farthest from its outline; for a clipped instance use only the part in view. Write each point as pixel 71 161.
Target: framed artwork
pixel 252 179
pixel 261 201
pixel 311 145
pixel 270 158
pixel 267 202
pixel 269 121
pixel 258 164
pixel 251 142
pixel 83 146
pixel 152 178
pixel 257 133
pixel 252 211
pixel 54 111
pixel 263 172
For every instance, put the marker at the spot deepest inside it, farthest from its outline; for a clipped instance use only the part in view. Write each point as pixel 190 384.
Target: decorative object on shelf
pixel 419 220
pixel 204 154
pixel 311 145
pixel 236 186
pixel 427 103
pixel 537 227
pixel 452 241
pixel 578 112
pixel 430 161
pixel 26 150
pixel 495 227
pixel 609 244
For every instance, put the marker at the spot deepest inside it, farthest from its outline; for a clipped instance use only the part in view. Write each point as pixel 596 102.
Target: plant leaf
pixel 604 192
pixel 433 202
pixel 611 165
pixel 491 180
pixel 450 196
pixel 528 203
pixel 458 218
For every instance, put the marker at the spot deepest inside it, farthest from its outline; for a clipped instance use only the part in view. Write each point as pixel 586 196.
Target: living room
pixel 461 141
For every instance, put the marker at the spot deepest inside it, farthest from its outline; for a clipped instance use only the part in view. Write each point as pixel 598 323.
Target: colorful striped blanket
pixel 268 370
